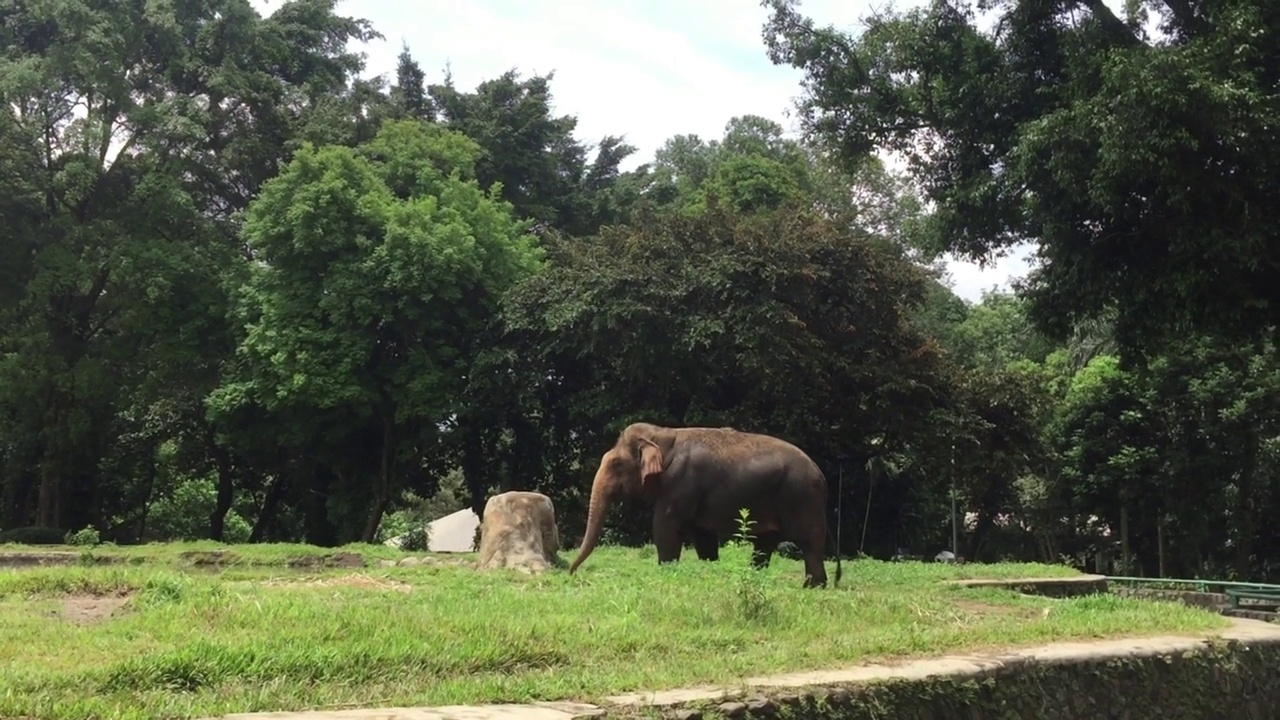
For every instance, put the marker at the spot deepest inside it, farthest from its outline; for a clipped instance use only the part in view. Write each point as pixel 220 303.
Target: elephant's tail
pixel 839 570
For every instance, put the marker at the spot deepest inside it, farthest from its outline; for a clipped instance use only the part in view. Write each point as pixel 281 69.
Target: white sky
pixel 646 69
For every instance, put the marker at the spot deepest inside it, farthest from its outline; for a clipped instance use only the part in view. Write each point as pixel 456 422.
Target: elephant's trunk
pixel 596 510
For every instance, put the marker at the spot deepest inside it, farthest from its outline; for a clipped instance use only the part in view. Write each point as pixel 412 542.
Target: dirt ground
pixel 359 580
pixel 87 609
pixel 981 608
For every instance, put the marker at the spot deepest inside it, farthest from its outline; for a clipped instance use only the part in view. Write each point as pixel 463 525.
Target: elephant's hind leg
pixel 815 570
pixel 810 534
pixel 706 544
pixel 764 546
pixel 815 575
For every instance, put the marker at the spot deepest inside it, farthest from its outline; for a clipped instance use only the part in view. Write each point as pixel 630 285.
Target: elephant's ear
pixel 650 462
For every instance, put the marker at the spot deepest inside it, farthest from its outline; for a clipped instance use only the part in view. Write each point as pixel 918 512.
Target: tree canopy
pixel 1137 152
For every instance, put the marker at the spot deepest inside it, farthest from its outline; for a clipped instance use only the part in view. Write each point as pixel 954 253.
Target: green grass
pixel 184 553
pixel 195 643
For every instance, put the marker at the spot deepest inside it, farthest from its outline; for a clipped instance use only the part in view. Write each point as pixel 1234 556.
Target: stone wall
pixel 1217 602
pixel 1226 679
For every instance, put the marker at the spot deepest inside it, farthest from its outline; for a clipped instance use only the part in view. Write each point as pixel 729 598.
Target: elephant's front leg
pixel 666 535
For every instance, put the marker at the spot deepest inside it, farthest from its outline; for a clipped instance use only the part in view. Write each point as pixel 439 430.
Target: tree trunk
pixel 1126 564
pixel 50 496
pixel 18 494
pixel 383 497
pixel 270 505
pixel 318 529
pixel 526 456
pixel 473 465
pixel 866 516
pixel 1245 511
pixel 152 471
pixel 226 490
pixel 1160 544
pixel 48 500
pixel 981 529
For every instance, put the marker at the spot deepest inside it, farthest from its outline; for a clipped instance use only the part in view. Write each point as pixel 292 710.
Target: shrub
pixel 33 535
pixel 87 536
pixel 183 514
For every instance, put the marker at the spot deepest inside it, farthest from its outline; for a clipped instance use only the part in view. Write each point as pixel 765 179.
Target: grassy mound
pixel 161 641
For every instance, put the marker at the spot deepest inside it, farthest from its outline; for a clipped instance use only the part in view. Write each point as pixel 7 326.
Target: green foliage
pixel 33 536
pixel 1137 158
pixel 997 332
pixel 532 155
pixel 721 319
pixel 410 523
pixel 184 514
pixel 381 266
pixel 125 186
pixel 84 537
pixel 664 307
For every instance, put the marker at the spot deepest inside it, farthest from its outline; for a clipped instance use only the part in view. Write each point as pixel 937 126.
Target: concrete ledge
pixel 531 711
pixel 758 691
pixel 1059 587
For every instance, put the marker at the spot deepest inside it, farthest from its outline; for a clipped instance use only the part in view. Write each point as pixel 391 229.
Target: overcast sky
pixel 648 69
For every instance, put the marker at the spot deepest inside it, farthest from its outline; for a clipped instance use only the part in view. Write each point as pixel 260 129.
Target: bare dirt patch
pixel 980 608
pixel 88 609
pixel 45 558
pixel 209 557
pixel 359 580
pixel 338 559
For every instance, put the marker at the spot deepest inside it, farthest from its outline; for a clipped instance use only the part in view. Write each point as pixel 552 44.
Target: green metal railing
pixel 1236 591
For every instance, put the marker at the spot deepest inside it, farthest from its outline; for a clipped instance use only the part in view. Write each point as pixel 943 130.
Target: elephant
pixel 697 479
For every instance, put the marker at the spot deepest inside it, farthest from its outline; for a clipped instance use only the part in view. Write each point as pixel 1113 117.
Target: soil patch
pixel 52 557
pixel 338 559
pixel 980 608
pixel 209 557
pixel 359 580
pixel 87 609
pixel 216 558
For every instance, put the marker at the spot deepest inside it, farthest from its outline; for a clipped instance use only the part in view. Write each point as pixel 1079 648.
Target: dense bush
pixel 184 514
pixel 33 535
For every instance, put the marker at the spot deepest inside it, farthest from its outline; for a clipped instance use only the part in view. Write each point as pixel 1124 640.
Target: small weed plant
pixel 752 585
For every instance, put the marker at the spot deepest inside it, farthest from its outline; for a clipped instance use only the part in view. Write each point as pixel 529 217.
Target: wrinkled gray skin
pixel 698 478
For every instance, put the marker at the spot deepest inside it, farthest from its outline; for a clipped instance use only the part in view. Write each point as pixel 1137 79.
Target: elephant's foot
pixel 815 575
pixel 811 581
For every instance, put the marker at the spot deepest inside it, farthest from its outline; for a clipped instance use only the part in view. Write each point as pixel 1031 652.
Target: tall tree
pixel 1143 162
pixel 135 133
pixel 410 91
pixel 542 168
pixel 381 265
pixel 776 321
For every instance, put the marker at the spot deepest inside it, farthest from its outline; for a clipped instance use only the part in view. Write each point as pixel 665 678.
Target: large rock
pixel 519 532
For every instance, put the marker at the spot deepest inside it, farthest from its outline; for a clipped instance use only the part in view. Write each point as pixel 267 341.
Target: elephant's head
pixel 630 468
